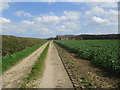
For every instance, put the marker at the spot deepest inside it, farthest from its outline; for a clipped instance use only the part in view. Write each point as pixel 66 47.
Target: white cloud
pixel 23 13
pixel 72 14
pixel 98 10
pixel 95 10
pixel 4 5
pixel 38 19
pixel 102 8
pixel 65 23
pixel 28 22
pixel 52 18
pixel 110 4
pixel 103 16
pixel 74 26
pixel 110 14
pixel 49 25
pixel 5 20
pixel 99 20
pixel 113 12
pixel 63 29
pixel 103 4
pixel 46 31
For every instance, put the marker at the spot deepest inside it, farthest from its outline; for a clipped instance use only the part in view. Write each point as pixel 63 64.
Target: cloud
pixel 103 16
pixel 73 15
pixel 63 30
pixel 95 10
pixel 52 19
pixel 109 4
pixel 109 13
pixel 45 31
pixel 98 10
pixel 23 13
pixel 67 15
pixel 43 25
pixel 28 22
pixel 74 26
pixel 4 5
pixel 113 12
pixel 103 4
pixel 93 19
pixel 5 20
pixel 99 20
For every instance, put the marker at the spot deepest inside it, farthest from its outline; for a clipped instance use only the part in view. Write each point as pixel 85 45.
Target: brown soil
pixel 13 77
pixel 55 75
pixel 84 74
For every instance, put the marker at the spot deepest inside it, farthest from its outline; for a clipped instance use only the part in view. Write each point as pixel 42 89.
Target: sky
pixel 48 19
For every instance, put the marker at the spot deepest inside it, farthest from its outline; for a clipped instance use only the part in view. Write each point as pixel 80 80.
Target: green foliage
pixel 86 83
pixel 10 60
pixel 104 53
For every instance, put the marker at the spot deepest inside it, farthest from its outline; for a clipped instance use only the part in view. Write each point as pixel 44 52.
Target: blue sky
pixel 37 9
pixel 43 19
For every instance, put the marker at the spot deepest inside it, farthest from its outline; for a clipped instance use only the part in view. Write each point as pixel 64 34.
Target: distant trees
pixel 86 37
pixel 109 36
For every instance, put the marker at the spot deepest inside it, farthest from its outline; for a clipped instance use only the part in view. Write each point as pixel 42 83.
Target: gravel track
pixel 13 76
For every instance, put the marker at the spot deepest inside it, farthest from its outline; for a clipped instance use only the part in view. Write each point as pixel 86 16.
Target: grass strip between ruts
pixel 11 60
pixel 37 71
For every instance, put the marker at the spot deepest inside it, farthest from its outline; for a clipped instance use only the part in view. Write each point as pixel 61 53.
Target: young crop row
pixel 103 53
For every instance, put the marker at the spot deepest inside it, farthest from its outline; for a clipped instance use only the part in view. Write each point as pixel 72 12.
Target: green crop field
pixel 103 53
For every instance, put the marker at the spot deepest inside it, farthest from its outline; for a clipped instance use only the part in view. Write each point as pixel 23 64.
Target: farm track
pixel 13 76
pixel 55 75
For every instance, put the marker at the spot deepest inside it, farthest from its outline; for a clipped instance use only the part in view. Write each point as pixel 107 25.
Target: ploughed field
pixel 103 53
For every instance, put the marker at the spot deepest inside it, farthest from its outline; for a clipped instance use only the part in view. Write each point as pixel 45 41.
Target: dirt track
pixel 14 75
pixel 55 75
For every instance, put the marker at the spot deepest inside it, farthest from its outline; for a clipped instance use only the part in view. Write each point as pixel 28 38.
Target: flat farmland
pixel 103 53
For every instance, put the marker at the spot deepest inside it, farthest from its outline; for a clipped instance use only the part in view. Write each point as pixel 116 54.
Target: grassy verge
pixel 12 59
pixel 37 71
pixel 13 44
